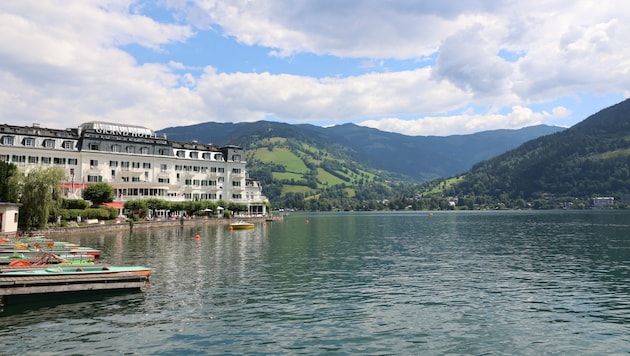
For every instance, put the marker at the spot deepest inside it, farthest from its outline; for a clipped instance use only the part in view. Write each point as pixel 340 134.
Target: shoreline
pixel 197 221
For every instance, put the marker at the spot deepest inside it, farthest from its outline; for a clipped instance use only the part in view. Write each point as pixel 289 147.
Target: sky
pixel 416 67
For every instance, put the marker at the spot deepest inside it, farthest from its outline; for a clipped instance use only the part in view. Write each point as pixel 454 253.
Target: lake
pixel 369 283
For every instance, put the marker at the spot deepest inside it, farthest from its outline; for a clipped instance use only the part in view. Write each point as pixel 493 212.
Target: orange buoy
pixel 197 237
pixel 307 221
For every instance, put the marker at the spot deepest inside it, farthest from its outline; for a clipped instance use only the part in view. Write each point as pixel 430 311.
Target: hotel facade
pixel 136 162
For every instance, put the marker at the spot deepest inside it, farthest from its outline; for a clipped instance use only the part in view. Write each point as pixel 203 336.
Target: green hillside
pixel 292 170
pixel 588 160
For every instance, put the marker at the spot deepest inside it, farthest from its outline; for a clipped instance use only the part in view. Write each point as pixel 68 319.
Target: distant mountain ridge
pixel 415 158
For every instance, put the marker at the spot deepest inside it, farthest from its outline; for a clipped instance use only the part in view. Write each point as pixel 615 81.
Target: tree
pixel 8 182
pixel 99 193
pixel 40 196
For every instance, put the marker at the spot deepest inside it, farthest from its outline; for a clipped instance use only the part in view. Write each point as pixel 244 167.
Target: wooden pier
pixel 11 286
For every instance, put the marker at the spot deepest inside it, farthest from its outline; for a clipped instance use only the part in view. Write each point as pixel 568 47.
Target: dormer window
pixel 7 140
pixel 67 145
pixel 49 143
pixel 28 142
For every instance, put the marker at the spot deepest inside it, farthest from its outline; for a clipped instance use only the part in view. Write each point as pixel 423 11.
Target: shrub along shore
pixel 133 225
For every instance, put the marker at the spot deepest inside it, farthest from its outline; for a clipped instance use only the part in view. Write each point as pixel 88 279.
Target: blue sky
pixel 423 67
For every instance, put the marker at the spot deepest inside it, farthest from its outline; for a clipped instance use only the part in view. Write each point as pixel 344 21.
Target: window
pixel 33 159
pixel 178 167
pixel 218 156
pixel 181 153
pixel 221 170
pixel 93 163
pixel 124 165
pixel 163 152
pixel 49 143
pixel 94 179
pixel 113 173
pixel 28 142
pixel 125 179
pixel 163 167
pixel 195 182
pixel 146 165
pixel 236 183
pixel 18 159
pixel 59 161
pixel 115 148
pixel 73 161
pixel 236 196
pixel 236 170
pixel 7 140
pixel 135 179
pixel 206 155
pixel 213 169
pixel 144 150
pixel 67 145
pixel 236 158
pixel 46 160
pixel 196 169
pixel 163 180
pixel 130 149
pixel 113 163
pixel 94 146
pixel 194 155
pixel 135 164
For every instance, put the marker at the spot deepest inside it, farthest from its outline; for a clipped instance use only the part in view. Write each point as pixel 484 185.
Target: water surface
pixel 354 283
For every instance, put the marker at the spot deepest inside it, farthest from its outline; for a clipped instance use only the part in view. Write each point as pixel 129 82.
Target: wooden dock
pixel 34 285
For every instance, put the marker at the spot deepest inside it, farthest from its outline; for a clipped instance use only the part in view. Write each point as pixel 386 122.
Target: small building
pixel 9 214
pixel 601 202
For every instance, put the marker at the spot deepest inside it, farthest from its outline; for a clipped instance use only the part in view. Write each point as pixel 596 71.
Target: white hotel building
pixel 136 162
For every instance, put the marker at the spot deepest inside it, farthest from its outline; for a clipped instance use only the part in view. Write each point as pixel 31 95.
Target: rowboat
pixel 29 251
pixel 241 225
pixel 78 271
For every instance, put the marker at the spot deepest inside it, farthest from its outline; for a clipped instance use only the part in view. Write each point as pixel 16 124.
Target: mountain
pixel 417 158
pixel 590 159
pixel 349 166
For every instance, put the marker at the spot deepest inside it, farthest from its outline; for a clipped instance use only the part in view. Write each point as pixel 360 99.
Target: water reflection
pixel 369 283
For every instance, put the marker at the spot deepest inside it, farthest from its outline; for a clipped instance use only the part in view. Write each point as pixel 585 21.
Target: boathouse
pixel 9 214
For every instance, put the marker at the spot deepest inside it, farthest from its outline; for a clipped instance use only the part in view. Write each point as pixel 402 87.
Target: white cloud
pixel 518 118
pixel 65 62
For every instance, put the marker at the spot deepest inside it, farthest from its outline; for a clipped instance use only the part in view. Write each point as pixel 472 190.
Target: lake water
pixel 374 283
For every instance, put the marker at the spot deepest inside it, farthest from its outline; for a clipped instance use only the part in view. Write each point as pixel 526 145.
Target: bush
pixel 75 204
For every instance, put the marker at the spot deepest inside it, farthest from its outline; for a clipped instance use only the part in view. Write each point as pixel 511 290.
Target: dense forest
pixel 589 159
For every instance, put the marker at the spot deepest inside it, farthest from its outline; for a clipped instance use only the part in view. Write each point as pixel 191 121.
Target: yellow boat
pixel 241 225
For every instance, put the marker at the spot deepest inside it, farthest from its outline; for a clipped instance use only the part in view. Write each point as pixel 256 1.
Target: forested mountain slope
pixel 592 158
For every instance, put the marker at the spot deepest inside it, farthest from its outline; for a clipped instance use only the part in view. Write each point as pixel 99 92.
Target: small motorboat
pixel 241 225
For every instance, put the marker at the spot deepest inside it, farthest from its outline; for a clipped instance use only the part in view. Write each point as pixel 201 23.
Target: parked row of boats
pixel 37 265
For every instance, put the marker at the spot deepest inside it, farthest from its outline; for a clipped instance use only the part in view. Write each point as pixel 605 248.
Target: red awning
pixel 115 204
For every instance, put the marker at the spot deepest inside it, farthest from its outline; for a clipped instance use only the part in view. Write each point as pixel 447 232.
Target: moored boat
pixel 78 270
pixel 241 225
